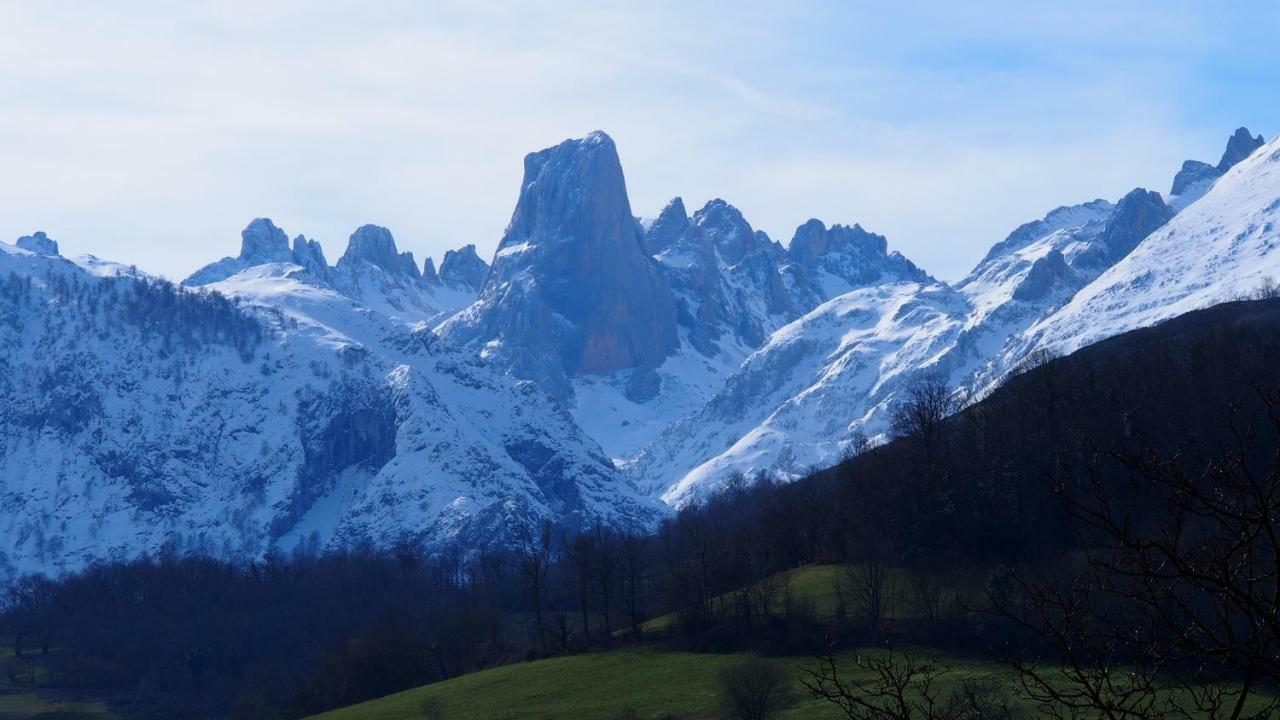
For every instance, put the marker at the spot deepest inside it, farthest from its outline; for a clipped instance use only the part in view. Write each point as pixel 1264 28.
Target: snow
pixel 1220 248
pixel 116 437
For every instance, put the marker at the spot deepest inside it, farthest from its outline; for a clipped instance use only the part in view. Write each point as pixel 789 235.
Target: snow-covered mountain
pixel 833 377
pixel 1220 248
pixel 634 325
pixel 601 368
pixel 134 413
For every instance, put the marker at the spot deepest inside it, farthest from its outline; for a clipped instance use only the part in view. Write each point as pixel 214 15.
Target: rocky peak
pixel 310 256
pixel 429 273
pixel 373 244
pixel 728 231
pixel 831 261
pixel 1193 173
pixel 668 227
pixel 39 243
pixel 262 242
pixel 1240 145
pixel 813 240
pixel 1136 216
pixel 1195 177
pixel 463 268
pixel 571 283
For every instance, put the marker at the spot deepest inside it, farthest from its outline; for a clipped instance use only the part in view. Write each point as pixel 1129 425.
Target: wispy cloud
pixel 151 133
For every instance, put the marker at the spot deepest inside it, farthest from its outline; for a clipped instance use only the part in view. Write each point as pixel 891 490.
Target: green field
pixel 638 683
pixel 29 706
pixel 651 684
pixel 601 685
pixel 816 584
pixel 21 703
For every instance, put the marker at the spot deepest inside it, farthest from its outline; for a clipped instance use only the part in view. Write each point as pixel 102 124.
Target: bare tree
pixel 868 582
pixel 754 689
pixel 1179 590
pixel 581 553
pixel 633 551
pixel 921 412
pixel 1266 290
pixel 533 550
pixel 1035 359
pixel 901 686
pixel 606 570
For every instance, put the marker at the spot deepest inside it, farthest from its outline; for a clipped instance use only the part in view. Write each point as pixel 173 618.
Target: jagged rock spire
pixel 668 227
pixel 571 285
pixel 310 256
pixel 463 268
pixel 1240 145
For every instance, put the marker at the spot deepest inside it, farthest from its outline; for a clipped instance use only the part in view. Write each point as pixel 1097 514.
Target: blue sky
pixel 150 134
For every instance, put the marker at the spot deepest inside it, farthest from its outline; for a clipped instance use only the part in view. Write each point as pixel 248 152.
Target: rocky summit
pixel 571 289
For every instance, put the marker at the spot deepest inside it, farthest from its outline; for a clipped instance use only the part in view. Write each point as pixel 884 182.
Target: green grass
pixel 601 685
pixel 19 702
pixel 28 706
pixel 647 684
pixel 650 683
pixel 817 584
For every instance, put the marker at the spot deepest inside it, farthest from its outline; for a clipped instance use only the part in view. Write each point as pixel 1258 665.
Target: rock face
pixel 310 256
pixel 571 289
pixel 826 262
pixel 463 269
pixel 724 276
pixel 1240 145
pixel 1192 174
pixel 373 244
pixel 1135 217
pixel 665 231
pixel 39 243
pixel 1195 177
pixel 429 274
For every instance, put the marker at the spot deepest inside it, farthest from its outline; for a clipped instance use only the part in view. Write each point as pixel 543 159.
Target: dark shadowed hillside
pixel 977 485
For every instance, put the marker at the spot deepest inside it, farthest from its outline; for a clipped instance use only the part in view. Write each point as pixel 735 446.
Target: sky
pixel 152 133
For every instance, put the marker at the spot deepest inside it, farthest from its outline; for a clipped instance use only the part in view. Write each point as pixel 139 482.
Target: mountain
pixel 1220 248
pixel 1195 177
pixel 134 413
pixel 833 376
pixel 571 289
pixel 600 368
pixel 463 269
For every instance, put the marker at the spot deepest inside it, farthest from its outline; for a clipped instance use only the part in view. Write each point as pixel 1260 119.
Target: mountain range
pixel 601 368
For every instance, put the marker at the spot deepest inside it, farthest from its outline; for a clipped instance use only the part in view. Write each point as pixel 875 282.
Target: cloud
pixel 150 133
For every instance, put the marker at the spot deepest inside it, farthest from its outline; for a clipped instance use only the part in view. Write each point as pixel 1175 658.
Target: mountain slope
pixel 134 413
pixel 1220 248
pixel 834 376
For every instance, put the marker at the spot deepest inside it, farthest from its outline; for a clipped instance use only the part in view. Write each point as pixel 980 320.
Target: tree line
pixel 1112 513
